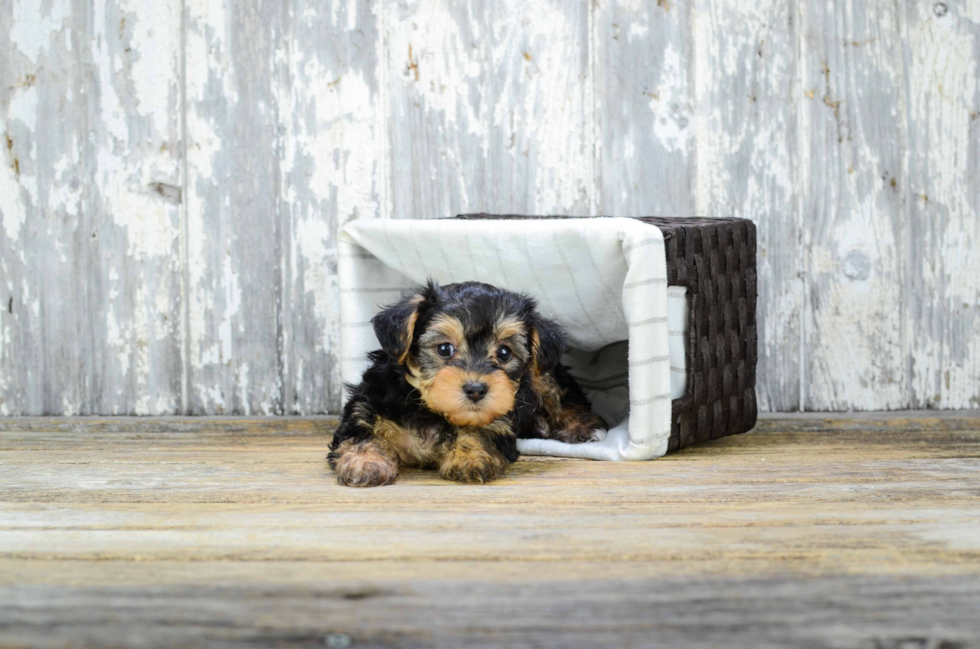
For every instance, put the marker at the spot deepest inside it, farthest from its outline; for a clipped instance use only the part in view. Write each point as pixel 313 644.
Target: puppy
pixel 464 370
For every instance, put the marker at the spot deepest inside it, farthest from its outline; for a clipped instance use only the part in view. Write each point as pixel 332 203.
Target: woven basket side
pixel 715 259
pixel 718 258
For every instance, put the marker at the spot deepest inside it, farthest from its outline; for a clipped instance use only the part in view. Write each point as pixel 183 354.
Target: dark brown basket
pixel 714 258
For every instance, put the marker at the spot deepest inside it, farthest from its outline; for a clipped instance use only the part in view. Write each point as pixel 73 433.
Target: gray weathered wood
pixel 818 532
pixel 139 278
pixel 942 48
pixel 431 611
pixel 645 107
pixel 489 108
pixel 233 222
pixel 855 129
pixel 747 160
pixel 332 171
pixel 90 193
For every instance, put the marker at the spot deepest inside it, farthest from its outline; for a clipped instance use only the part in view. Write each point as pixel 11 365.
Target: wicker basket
pixel 714 258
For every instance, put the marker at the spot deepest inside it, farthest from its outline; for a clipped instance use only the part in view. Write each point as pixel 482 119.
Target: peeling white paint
pixel 211 13
pixel 64 195
pixel 559 113
pixel 212 397
pixel 233 302
pixel 969 9
pixel 243 393
pixel 312 238
pixel 155 28
pixel 11 202
pixel 638 31
pixel 21 114
pixel 23 107
pixel 672 122
pixel 118 340
pixel 112 114
pixel 856 339
pixel 204 146
pixel 69 408
pixel 533 120
pixel 943 76
pixel 527 107
pixel 343 165
pixel 207 42
pixel 148 220
pixel 35 23
pixel 944 105
pixel 744 154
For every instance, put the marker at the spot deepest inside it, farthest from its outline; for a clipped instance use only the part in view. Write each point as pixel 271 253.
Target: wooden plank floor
pixel 856 532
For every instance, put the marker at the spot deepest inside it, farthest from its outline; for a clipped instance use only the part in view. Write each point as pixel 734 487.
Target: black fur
pixel 572 393
pixel 385 392
pixel 390 323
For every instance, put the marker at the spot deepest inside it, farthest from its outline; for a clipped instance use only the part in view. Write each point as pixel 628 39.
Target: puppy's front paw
pixel 598 434
pixel 364 464
pixel 469 461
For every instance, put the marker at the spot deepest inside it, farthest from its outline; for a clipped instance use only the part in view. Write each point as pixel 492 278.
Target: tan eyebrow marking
pixel 511 329
pixel 508 327
pixel 445 326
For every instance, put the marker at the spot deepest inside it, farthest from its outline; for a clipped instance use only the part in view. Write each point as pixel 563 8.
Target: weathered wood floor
pixel 852 532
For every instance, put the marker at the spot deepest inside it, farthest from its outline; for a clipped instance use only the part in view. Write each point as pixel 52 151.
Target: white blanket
pixel 603 279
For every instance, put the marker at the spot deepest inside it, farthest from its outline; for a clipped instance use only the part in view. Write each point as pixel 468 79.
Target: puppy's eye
pixel 504 353
pixel 446 350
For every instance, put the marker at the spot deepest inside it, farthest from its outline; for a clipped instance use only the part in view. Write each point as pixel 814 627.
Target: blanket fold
pixel 603 279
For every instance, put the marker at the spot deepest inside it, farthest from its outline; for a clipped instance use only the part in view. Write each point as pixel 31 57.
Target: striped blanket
pixel 603 279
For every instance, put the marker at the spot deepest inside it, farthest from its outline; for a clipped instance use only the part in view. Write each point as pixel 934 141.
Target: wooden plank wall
pixel 142 276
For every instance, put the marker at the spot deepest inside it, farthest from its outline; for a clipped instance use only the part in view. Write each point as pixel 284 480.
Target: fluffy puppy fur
pixel 464 370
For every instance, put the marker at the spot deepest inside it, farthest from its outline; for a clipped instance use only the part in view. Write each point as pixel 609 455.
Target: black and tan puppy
pixel 465 369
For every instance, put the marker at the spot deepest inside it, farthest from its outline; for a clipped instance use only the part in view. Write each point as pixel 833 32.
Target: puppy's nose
pixel 475 391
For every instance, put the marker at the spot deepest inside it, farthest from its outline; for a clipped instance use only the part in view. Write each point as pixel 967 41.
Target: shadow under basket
pixel 715 260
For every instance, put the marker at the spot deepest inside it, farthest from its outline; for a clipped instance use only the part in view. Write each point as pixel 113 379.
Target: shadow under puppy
pixel 463 371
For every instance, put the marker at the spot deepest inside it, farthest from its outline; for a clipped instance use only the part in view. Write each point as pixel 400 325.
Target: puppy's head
pixel 466 346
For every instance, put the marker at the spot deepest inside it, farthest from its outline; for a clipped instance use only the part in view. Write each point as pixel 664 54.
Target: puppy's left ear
pixel 395 324
pixel 548 342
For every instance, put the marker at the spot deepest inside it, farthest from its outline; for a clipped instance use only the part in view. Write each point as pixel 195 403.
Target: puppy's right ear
pixel 395 324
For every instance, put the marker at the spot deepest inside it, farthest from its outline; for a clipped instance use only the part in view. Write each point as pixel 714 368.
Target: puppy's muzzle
pixel 475 390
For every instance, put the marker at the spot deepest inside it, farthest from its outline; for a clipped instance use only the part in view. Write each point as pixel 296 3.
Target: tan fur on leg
pixel 412 447
pixel 572 424
pixel 472 459
pixel 549 394
pixel 365 464
pixel 576 425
